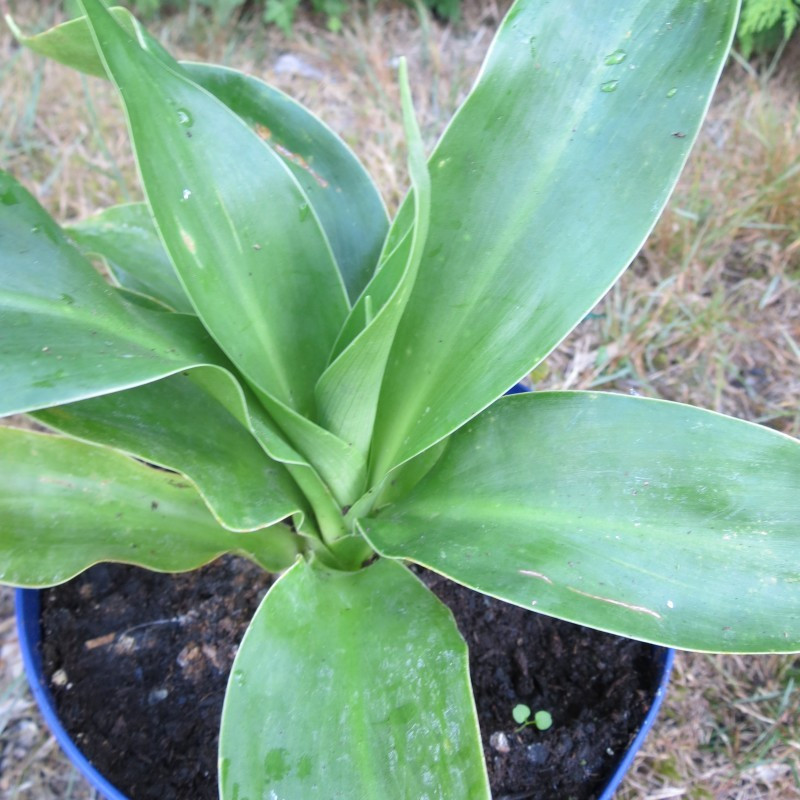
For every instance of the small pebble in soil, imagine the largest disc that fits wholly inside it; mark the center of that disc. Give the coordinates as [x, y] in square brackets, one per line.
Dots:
[499, 741]
[156, 696]
[537, 753]
[59, 678]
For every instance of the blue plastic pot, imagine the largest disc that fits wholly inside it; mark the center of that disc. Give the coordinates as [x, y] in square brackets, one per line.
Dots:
[28, 607]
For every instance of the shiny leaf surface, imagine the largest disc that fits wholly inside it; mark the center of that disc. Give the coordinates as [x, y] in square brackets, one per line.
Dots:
[342, 467]
[338, 187]
[65, 334]
[71, 43]
[175, 423]
[351, 685]
[128, 241]
[245, 241]
[240, 401]
[544, 186]
[649, 519]
[347, 393]
[65, 505]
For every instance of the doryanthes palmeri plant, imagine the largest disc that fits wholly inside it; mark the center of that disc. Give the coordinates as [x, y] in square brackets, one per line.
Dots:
[325, 387]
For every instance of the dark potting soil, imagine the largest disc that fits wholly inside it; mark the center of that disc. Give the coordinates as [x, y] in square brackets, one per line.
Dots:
[138, 664]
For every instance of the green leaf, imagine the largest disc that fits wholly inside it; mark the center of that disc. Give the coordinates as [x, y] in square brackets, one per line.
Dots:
[71, 42]
[66, 334]
[339, 463]
[347, 393]
[70, 336]
[241, 402]
[245, 242]
[391, 268]
[351, 685]
[138, 299]
[128, 241]
[544, 187]
[521, 713]
[66, 505]
[176, 424]
[650, 519]
[338, 187]
[543, 720]
[353, 216]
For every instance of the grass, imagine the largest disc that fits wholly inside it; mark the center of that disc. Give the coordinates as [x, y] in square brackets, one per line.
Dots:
[709, 314]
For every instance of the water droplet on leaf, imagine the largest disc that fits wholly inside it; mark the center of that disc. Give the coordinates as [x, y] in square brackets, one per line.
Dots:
[672, 92]
[185, 118]
[617, 57]
[609, 86]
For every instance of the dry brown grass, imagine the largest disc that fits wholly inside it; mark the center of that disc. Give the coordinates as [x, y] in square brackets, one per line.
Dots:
[728, 731]
[709, 314]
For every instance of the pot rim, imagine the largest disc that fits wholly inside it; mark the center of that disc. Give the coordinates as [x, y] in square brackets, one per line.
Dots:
[28, 607]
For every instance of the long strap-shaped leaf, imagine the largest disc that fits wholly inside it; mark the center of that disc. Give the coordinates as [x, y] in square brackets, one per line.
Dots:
[339, 463]
[342, 194]
[294, 308]
[244, 240]
[390, 270]
[650, 519]
[70, 43]
[240, 401]
[65, 334]
[338, 187]
[352, 685]
[126, 238]
[347, 393]
[65, 505]
[544, 186]
[177, 424]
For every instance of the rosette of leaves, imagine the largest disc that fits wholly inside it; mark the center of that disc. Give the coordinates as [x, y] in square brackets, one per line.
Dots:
[322, 387]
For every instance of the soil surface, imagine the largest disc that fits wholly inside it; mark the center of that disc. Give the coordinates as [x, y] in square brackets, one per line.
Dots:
[169, 641]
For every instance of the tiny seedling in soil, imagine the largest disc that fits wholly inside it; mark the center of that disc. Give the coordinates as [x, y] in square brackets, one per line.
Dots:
[522, 716]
